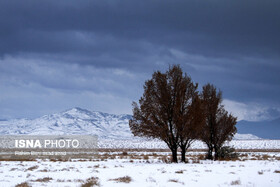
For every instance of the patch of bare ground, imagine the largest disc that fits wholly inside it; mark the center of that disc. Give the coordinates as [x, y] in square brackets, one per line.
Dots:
[59, 159]
[258, 150]
[161, 155]
[189, 150]
[125, 179]
[17, 159]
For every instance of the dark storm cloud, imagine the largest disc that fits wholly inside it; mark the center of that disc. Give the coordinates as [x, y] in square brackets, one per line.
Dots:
[106, 46]
[205, 27]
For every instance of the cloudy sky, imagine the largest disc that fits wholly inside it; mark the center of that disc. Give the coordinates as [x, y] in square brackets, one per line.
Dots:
[55, 55]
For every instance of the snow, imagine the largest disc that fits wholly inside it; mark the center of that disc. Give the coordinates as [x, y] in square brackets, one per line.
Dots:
[71, 122]
[245, 137]
[113, 132]
[157, 144]
[143, 172]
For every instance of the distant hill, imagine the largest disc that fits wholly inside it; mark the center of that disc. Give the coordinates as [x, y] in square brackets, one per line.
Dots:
[262, 129]
[79, 121]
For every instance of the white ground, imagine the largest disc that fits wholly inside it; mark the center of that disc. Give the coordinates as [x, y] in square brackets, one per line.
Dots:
[151, 172]
[155, 144]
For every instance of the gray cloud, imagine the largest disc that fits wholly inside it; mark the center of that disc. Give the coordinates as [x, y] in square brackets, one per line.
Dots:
[54, 51]
[211, 27]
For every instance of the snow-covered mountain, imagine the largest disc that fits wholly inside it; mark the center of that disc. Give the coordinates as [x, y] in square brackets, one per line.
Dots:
[73, 121]
[245, 137]
[78, 121]
[269, 129]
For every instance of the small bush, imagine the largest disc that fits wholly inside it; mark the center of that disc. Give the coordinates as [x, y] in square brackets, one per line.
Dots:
[93, 181]
[265, 157]
[44, 170]
[32, 168]
[173, 180]
[201, 157]
[179, 172]
[124, 153]
[146, 157]
[125, 179]
[45, 179]
[24, 184]
[237, 182]
[96, 166]
[176, 181]
[227, 153]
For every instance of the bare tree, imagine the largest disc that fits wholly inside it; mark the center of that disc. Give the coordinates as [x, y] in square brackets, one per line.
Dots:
[219, 126]
[164, 109]
[191, 126]
[225, 131]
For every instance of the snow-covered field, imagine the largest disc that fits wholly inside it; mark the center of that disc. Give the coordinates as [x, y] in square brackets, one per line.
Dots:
[256, 169]
[156, 144]
[150, 166]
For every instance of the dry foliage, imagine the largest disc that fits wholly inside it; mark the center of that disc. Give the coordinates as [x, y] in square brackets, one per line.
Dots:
[45, 179]
[125, 179]
[236, 182]
[17, 159]
[219, 125]
[176, 181]
[124, 153]
[173, 180]
[24, 184]
[32, 168]
[146, 157]
[180, 171]
[167, 110]
[44, 170]
[93, 181]
[96, 166]
[266, 157]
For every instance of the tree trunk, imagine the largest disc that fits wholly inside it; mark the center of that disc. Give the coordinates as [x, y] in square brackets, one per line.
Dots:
[210, 152]
[174, 156]
[216, 152]
[183, 153]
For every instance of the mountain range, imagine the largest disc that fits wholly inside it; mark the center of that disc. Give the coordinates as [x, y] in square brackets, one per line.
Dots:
[263, 129]
[81, 121]
[71, 122]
